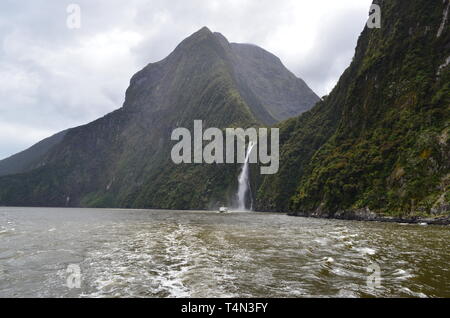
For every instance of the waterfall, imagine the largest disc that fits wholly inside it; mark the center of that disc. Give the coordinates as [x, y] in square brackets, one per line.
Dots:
[244, 184]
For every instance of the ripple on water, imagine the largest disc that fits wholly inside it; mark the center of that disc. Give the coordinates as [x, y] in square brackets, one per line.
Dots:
[170, 264]
[182, 254]
[366, 250]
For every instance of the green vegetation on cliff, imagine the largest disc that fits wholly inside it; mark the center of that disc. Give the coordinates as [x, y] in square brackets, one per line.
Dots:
[380, 140]
[123, 159]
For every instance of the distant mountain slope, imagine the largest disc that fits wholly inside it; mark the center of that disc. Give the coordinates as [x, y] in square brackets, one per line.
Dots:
[123, 159]
[271, 92]
[29, 159]
[274, 92]
[380, 140]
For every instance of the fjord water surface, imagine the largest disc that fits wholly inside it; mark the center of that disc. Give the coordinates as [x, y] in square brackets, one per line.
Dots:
[130, 253]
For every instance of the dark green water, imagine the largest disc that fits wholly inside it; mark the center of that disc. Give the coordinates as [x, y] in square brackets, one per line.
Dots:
[126, 253]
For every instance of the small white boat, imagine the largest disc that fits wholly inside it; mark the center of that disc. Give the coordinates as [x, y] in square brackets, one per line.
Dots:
[223, 210]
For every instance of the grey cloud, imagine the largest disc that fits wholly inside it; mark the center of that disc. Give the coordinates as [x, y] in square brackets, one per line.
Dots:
[333, 53]
[52, 78]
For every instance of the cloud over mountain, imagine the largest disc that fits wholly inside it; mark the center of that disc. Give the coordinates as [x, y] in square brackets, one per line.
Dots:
[52, 78]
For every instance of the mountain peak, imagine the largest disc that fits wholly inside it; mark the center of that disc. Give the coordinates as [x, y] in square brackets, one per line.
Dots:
[250, 69]
[127, 152]
[201, 34]
[205, 30]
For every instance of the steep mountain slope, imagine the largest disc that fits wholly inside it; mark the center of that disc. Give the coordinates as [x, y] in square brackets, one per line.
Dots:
[123, 159]
[380, 140]
[275, 93]
[25, 160]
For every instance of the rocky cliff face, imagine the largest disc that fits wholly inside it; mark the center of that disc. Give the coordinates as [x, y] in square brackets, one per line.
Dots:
[29, 159]
[269, 90]
[275, 93]
[123, 159]
[380, 140]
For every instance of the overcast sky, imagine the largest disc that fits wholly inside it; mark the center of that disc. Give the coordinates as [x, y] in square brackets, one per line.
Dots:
[53, 77]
